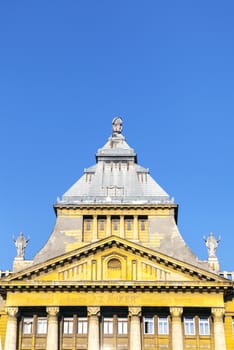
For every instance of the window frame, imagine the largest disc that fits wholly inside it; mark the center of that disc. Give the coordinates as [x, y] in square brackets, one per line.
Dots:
[122, 326]
[203, 323]
[44, 325]
[189, 324]
[163, 325]
[148, 324]
[108, 326]
[82, 325]
[68, 326]
[28, 323]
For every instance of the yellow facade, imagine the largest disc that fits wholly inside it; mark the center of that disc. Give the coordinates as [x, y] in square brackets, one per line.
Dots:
[115, 275]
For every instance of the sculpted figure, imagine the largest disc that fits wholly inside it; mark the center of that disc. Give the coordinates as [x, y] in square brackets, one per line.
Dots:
[211, 244]
[20, 243]
[117, 126]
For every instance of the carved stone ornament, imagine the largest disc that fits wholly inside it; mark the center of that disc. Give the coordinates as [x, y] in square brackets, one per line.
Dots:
[20, 244]
[176, 311]
[52, 310]
[117, 126]
[134, 311]
[218, 313]
[93, 311]
[12, 311]
[211, 244]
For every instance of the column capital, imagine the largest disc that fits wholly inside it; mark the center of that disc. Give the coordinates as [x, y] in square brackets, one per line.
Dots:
[93, 310]
[218, 312]
[176, 311]
[12, 311]
[134, 311]
[52, 310]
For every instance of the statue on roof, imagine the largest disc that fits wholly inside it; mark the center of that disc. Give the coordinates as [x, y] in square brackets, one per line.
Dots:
[117, 126]
[20, 243]
[211, 244]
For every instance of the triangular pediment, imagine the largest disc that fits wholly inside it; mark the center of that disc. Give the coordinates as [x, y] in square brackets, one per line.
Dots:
[114, 259]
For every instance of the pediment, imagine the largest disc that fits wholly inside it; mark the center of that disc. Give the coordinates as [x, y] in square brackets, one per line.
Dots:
[114, 259]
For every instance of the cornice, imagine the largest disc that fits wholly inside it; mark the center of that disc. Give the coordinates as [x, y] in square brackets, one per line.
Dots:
[117, 286]
[114, 206]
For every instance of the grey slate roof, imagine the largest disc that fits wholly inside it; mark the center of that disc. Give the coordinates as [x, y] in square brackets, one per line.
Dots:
[116, 177]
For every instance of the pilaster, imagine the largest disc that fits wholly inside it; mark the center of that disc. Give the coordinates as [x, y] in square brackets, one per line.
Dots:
[177, 334]
[93, 329]
[11, 331]
[219, 335]
[135, 327]
[52, 332]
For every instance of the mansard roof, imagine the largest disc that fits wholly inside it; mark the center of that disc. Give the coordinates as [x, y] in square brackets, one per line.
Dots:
[116, 177]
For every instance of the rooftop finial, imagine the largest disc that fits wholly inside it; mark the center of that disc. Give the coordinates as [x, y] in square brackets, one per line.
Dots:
[117, 126]
[20, 243]
[211, 244]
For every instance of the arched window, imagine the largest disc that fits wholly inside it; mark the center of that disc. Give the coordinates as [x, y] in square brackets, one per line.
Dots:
[114, 264]
[114, 271]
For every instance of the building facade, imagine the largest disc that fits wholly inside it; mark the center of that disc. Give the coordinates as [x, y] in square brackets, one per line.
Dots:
[116, 274]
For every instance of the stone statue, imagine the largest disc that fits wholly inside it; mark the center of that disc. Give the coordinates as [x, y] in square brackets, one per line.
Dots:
[117, 126]
[212, 244]
[20, 243]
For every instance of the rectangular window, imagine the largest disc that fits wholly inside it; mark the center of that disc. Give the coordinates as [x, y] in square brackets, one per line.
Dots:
[27, 325]
[142, 225]
[68, 325]
[88, 224]
[163, 325]
[232, 325]
[108, 326]
[204, 326]
[129, 224]
[189, 326]
[41, 325]
[115, 224]
[122, 326]
[82, 325]
[101, 224]
[148, 325]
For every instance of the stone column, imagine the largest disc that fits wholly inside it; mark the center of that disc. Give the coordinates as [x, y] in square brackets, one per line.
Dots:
[135, 228]
[52, 329]
[95, 223]
[121, 226]
[135, 328]
[108, 225]
[219, 335]
[93, 329]
[177, 333]
[11, 330]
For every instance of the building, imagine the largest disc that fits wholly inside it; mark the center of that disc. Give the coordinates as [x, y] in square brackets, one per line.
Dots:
[115, 273]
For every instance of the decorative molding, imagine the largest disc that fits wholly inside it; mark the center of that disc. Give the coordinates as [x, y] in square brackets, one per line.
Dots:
[12, 311]
[93, 310]
[218, 313]
[134, 311]
[176, 311]
[52, 310]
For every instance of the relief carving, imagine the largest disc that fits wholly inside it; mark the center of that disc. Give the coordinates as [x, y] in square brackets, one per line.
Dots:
[93, 311]
[12, 311]
[134, 311]
[52, 310]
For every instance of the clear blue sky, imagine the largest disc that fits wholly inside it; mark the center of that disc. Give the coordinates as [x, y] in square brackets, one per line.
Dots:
[68, 67]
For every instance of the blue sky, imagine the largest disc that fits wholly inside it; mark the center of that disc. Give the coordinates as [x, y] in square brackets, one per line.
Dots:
[67, 68]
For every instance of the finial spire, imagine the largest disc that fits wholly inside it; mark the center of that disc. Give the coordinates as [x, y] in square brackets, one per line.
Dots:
[117, 126]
